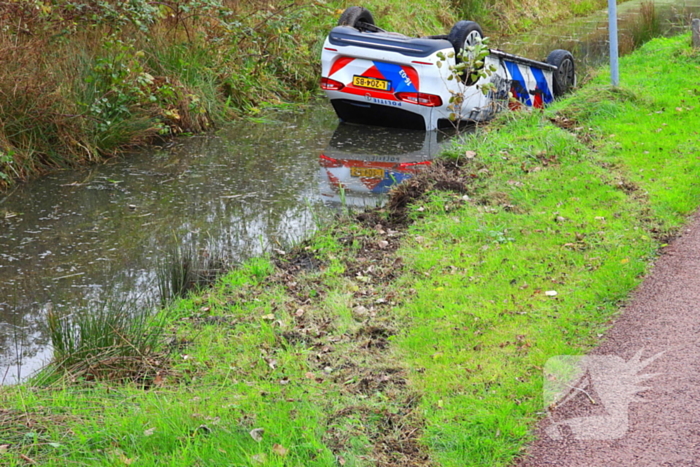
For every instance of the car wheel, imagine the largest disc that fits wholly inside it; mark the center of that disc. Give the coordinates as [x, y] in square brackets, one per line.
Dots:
[462, 35]
[564, 78]
[357, 17]
[465, 34]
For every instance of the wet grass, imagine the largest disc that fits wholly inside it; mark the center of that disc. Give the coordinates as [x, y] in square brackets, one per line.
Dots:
[416, 334]
[537, 266]
[575, 206]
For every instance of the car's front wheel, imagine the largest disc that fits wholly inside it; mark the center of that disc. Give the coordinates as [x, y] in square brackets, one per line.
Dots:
[357, 17]
[564, 78]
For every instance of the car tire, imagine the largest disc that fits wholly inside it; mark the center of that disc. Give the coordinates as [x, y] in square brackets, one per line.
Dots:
[357, 17]
[564, 77]
[464, 34]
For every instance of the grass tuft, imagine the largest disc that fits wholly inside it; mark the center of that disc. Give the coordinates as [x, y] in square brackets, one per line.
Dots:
[188, 268]
[602, 102]
[108, 341]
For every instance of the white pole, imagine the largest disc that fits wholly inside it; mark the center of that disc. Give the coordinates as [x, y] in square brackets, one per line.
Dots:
[612, 27]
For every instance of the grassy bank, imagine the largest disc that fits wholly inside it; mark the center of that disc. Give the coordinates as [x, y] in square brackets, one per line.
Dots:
[83, 80]
[517, 15]
[414, 335]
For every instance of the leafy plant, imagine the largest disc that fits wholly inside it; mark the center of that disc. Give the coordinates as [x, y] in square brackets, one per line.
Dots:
[466, 68]
[7, 169]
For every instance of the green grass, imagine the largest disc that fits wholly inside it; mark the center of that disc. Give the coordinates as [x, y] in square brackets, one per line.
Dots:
[111, 340]
[556, 215]
[484, 326]
[428, 350]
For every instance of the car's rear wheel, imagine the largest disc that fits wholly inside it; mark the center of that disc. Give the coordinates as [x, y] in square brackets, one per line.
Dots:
[465, 34]
[357, 17]
[564, 78]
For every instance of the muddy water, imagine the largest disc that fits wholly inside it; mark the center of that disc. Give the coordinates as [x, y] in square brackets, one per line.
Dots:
[75, 237]
[72, 237]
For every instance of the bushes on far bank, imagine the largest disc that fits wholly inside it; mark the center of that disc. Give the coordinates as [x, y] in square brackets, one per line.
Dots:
[82, 80]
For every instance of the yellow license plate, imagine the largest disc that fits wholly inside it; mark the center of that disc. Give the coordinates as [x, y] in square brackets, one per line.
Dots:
[372, 83]
[366, 172]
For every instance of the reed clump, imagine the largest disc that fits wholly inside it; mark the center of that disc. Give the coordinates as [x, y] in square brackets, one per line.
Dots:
[105, 341]
[649, 26]
[189, 268]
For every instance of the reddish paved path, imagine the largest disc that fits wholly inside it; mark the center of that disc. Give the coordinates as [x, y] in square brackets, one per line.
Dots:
[663, 429]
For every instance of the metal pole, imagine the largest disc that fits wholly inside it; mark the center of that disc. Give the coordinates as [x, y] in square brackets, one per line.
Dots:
[612, 26]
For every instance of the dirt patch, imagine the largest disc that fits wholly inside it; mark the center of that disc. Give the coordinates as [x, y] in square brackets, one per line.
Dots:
[376, 265]
[395, 436]
[351, 354]
[378, 380]
[302, 260]
[573, 126]
[358, 362]
[627, 186]
[442, 175]
[375, 256]
[499, 199]
[146, 371]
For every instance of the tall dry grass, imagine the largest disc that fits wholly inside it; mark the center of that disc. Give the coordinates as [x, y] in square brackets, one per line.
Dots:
[83, 80]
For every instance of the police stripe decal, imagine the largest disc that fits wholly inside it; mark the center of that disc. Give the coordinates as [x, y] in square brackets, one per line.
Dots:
[519, 86]
[542, 85]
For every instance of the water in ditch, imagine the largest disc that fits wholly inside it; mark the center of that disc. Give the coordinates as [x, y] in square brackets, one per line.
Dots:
[76, 237]
[587, 37]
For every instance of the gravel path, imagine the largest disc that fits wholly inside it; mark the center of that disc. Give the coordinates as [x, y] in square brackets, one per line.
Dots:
[659, 426]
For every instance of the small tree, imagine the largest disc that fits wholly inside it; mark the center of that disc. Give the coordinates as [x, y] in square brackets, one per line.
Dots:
[466, 68]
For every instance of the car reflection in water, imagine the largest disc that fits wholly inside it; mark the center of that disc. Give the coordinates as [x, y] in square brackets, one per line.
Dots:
[362, 163]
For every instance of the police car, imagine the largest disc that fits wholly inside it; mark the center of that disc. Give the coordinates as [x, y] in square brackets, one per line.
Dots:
[376, 77]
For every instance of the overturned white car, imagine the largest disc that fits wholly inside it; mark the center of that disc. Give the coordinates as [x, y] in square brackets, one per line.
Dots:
[376, 77]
